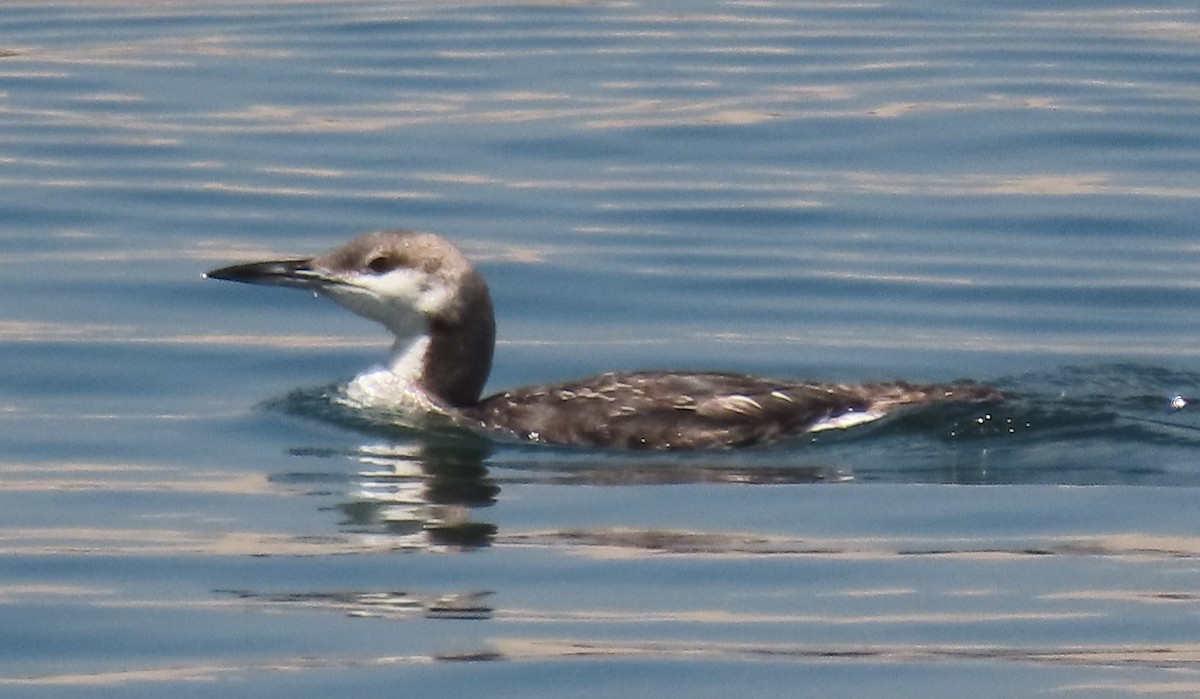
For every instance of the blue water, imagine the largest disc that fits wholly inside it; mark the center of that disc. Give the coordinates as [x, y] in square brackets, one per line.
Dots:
[1000, 192]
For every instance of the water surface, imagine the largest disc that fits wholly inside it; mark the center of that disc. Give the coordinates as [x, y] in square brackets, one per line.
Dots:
[839, 191]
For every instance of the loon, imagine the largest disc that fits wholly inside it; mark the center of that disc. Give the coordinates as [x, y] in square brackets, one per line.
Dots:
[425, 291]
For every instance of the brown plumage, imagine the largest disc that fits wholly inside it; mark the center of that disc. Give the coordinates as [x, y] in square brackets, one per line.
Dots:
[689, 411]
[438, 307]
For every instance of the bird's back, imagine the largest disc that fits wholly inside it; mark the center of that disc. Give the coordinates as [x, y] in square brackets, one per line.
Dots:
[688, 411]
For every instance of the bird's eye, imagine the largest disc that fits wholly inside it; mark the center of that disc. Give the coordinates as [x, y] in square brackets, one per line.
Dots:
[383, 264]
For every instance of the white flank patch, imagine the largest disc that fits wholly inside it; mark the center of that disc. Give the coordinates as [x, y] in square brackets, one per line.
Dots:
[846, 420]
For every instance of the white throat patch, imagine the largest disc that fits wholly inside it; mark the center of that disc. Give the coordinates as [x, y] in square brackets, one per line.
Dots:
[407, 362]
[402, 300]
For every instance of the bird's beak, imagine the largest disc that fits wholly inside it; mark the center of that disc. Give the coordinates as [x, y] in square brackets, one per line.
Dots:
[294, 273]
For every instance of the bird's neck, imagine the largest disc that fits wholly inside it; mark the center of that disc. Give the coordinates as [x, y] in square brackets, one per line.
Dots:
[451, 357]
[407, 362]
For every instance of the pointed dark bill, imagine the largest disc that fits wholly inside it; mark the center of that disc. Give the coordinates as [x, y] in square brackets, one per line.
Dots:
[293, 273]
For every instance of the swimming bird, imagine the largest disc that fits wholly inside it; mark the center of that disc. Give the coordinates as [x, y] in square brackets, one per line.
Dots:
[438, 307]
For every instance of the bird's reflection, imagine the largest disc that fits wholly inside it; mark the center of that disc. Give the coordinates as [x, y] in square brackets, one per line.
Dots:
[424, 493]
[431, 492]
[390, 604]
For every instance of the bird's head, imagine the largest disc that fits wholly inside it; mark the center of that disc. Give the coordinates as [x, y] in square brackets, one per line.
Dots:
[404, 280]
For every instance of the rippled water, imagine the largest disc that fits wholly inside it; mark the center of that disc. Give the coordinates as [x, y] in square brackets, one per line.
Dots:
[842, 191]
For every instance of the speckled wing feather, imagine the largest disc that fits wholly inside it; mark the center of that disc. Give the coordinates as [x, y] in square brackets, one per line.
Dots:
[686, 411]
